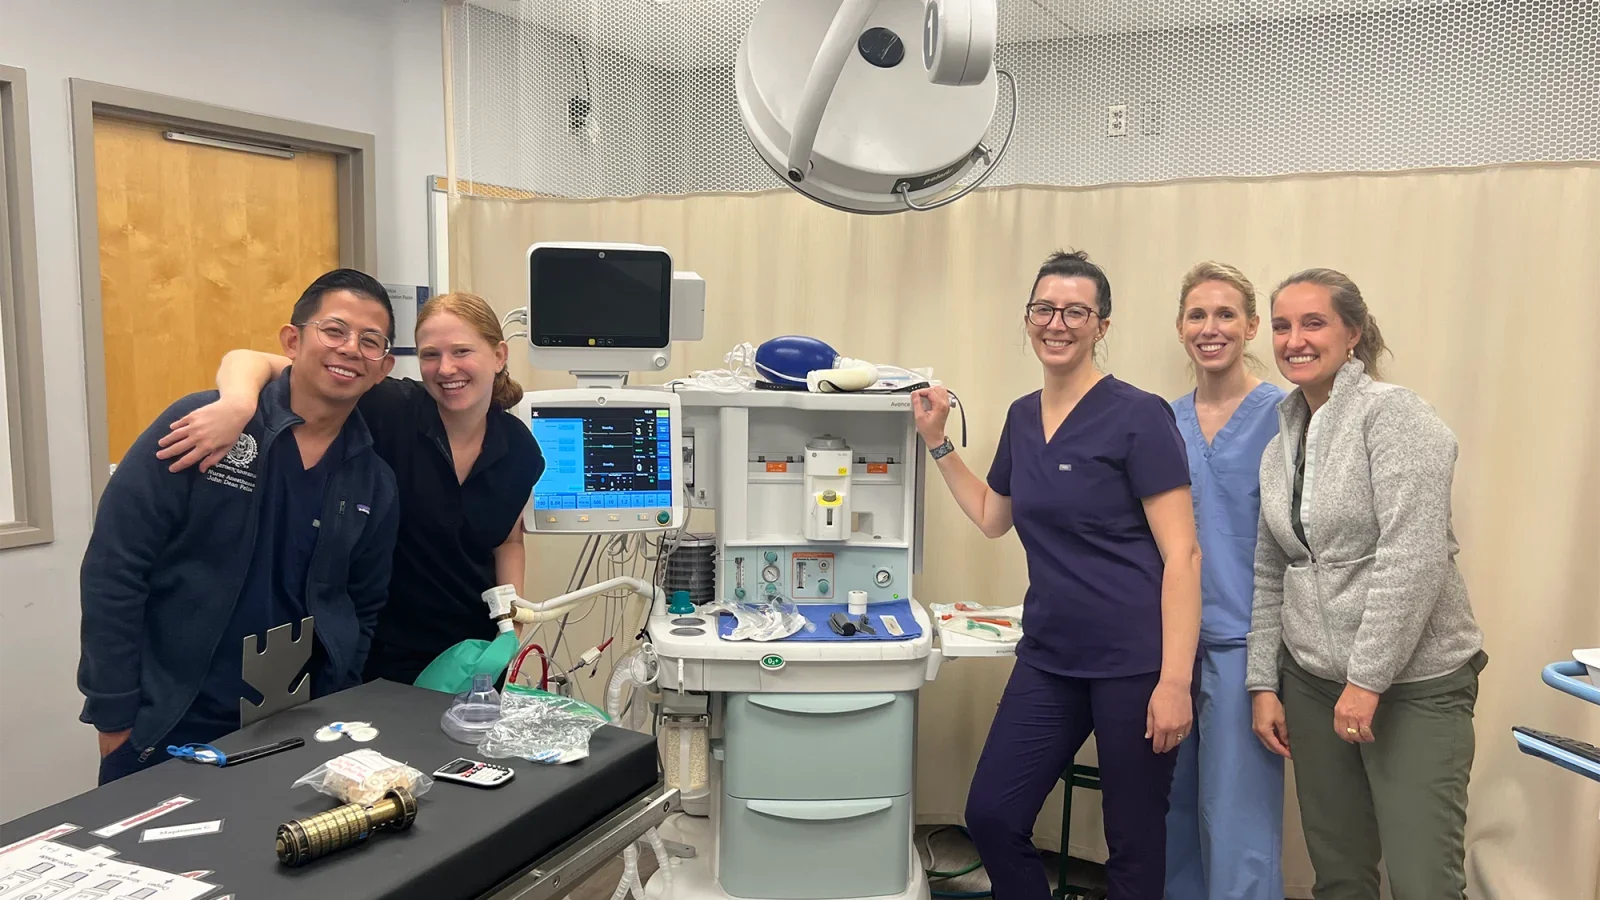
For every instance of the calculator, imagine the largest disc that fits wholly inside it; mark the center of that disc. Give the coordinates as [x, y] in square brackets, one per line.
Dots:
[477, 774]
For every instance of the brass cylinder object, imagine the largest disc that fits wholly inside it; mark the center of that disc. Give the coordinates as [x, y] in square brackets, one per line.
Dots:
[313, 837]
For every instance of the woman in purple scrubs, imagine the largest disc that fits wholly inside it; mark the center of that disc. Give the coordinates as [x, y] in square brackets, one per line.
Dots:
[1093, 473]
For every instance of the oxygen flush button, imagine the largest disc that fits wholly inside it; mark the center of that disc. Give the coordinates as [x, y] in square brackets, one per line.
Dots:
[663, 517]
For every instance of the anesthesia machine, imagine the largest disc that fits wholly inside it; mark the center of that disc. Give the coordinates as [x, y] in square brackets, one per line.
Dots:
[785, 648]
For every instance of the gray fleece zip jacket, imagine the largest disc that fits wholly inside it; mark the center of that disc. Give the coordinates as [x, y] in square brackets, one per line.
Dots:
[1376, 599]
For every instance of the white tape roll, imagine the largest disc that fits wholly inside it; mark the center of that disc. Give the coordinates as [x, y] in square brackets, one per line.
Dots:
[858, 603]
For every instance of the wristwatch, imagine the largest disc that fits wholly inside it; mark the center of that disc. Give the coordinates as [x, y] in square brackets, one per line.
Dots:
[943, 450]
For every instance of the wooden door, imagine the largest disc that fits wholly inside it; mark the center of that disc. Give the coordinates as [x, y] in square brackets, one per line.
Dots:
[202, 250]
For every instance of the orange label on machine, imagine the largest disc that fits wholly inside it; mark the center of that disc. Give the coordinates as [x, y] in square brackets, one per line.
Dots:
[877, 468]
[777, 467]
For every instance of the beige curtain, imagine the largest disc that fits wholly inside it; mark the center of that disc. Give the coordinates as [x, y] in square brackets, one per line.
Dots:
[1487, 286]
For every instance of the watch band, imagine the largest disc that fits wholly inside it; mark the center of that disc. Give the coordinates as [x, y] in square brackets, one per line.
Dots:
[943, 450]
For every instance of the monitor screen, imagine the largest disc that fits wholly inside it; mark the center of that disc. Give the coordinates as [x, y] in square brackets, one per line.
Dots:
[599, 298]
[600, 458]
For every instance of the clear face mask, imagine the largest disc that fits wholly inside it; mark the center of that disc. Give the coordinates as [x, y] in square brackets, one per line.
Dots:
[768, 618]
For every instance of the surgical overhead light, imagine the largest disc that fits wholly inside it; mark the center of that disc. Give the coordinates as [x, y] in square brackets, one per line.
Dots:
[873, 106]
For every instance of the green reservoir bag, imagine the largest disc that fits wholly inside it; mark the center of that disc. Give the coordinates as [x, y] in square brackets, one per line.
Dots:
[451, 671]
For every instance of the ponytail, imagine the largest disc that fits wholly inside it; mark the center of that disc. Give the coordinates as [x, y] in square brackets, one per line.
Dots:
[1370, 345]
[507, 393]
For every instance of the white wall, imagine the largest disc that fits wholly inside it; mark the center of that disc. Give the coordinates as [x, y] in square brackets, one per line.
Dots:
[364, 65]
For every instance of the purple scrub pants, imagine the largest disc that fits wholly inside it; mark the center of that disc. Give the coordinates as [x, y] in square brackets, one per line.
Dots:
[1042, 721]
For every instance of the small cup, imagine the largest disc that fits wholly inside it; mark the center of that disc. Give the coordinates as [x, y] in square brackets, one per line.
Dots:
[858, 603]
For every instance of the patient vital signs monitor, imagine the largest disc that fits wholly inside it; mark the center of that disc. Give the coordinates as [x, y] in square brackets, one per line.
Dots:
[609, 460]
[601, 310]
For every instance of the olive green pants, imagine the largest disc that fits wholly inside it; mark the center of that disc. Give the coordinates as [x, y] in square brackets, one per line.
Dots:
[1401, 799]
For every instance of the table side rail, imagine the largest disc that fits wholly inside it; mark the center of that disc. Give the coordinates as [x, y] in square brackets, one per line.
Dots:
[560, 870]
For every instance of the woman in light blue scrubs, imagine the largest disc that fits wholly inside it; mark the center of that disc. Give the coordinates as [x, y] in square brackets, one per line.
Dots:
[1225, 824]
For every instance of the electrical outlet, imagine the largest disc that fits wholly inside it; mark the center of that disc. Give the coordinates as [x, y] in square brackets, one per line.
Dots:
[1117, 120]
[1151, 117]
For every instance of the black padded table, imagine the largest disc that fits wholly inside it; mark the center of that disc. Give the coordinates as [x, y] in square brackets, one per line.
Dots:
[465, 842]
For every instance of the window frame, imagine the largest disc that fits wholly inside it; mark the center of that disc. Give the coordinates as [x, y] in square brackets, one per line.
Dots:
[32, 522]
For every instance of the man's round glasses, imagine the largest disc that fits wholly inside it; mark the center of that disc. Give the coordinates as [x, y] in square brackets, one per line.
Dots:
[1042, 314]
[334, 333]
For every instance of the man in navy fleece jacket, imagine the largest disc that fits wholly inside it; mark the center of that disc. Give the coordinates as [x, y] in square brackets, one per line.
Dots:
[299, 519]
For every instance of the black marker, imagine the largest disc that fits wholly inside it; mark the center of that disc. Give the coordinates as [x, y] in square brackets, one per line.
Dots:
[244, 756]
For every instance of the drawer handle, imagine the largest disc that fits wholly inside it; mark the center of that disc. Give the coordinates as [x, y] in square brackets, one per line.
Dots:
[821, 704]
[817, 811]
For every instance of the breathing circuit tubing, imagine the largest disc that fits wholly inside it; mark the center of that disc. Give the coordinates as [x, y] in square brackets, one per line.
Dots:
[641, 669]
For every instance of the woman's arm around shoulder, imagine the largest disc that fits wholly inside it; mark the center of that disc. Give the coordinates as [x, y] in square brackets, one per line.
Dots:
[206, 435]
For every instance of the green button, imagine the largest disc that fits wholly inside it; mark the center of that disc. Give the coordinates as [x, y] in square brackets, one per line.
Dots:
[772, 556]
[822, 587]
[739, 592]
[663, 517]
[772, 662]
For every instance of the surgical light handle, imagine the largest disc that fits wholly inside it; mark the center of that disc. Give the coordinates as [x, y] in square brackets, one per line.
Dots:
[840, 40]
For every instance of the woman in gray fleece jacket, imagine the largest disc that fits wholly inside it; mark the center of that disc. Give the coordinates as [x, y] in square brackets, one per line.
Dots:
[1356, 579]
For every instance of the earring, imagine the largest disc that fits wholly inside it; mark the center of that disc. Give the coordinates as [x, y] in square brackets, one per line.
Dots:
[1350, 354]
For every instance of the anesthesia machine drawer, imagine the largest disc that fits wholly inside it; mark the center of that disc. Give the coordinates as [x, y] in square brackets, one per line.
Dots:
[815, 849]
[818, 746]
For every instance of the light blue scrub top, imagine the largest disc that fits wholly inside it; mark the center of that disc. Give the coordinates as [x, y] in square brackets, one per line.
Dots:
[1226, 484]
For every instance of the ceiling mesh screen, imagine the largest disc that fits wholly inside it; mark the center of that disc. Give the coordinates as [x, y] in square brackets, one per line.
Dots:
[598, 98]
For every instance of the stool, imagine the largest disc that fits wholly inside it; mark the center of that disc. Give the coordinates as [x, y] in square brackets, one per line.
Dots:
[1075, 776]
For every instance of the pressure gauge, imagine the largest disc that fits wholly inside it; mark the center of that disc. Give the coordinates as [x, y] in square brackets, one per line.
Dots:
[882, 578]
[769, 574]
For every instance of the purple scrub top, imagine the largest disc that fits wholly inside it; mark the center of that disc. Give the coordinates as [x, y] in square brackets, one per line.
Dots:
[1093, 606]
